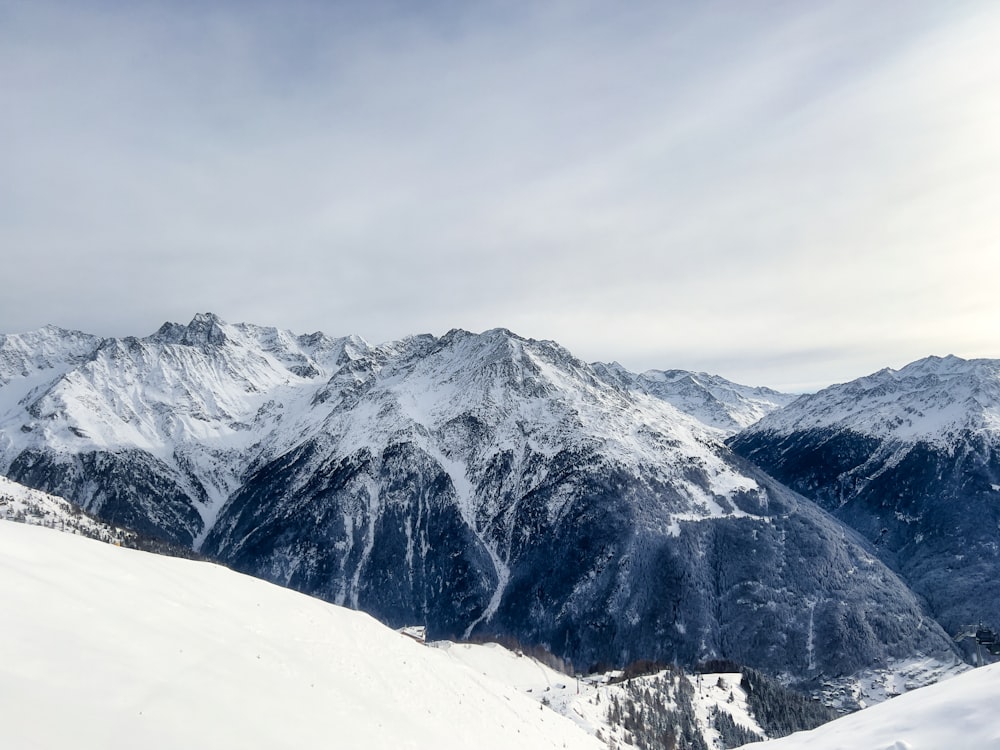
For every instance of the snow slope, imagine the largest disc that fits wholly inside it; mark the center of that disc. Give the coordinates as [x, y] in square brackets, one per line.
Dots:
[586, 700]
[958, 713]
[102, 647]
[48, 350]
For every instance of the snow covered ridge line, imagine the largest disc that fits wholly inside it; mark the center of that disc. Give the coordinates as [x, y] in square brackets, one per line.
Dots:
[714, 400]
[933, 400]
[47, 348]
[22, 504]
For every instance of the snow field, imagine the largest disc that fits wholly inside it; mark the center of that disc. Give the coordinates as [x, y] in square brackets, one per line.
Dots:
[102, 647]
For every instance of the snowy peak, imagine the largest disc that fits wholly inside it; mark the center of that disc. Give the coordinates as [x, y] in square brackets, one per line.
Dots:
[712, 400]
[206, 380]
[496, 365]
[46, 349]
[932, 400]
[204, 329]
[524, 395]
[308, 356]
[947, 366]
[183, 412]
[911, 459]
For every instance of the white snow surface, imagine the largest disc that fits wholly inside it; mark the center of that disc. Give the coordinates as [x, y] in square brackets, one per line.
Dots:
[171, 652]
[931, 400]
[49, 348]
[102, 646]
[955, 714]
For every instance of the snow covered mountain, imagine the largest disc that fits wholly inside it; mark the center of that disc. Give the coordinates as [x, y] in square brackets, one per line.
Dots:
[911, 459]
[710, 399]
[101, 645]
[45, 353]
[179, 413]
[937, 400]
[472, 483]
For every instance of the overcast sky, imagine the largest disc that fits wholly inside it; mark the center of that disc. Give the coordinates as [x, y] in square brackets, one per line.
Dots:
[784, 193]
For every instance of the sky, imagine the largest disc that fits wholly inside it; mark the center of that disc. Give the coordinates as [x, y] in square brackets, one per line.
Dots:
[786, 194]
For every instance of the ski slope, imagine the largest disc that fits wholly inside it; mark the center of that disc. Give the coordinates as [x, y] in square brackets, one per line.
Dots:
[102, 647]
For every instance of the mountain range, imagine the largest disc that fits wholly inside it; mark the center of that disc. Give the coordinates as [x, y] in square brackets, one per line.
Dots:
[477, 484]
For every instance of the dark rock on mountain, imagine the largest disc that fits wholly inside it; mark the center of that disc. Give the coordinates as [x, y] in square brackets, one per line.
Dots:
[911, 459]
